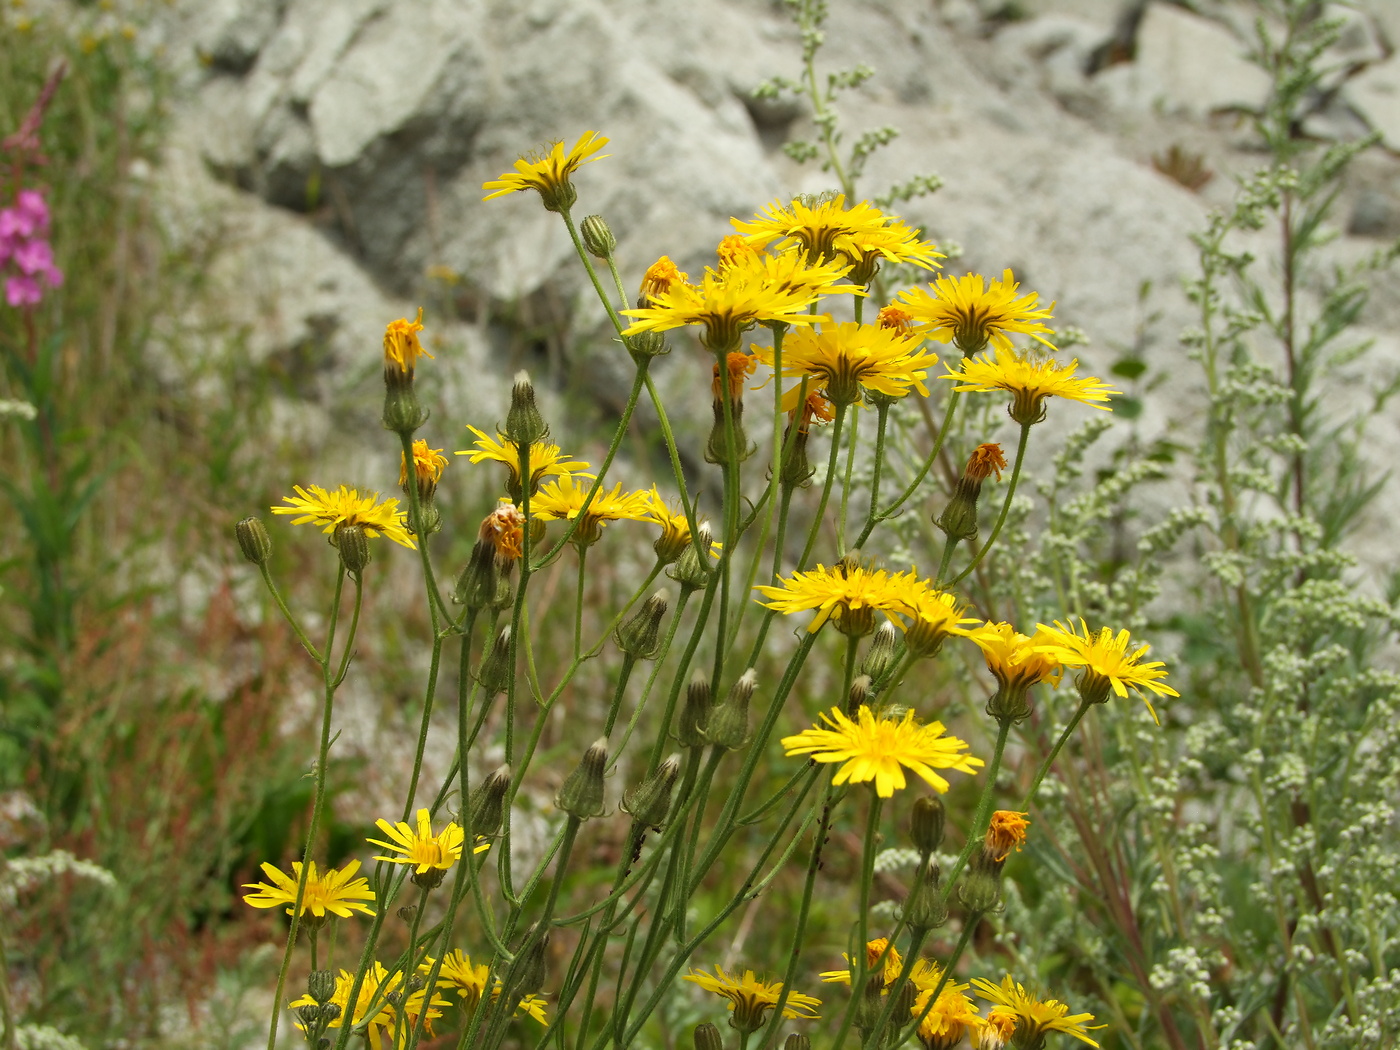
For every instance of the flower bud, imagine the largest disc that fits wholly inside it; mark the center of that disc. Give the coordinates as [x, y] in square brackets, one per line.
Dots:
[728, 724]
[980, 888]
[859, 695]
[871, 1001]
[691, 570]
[926, 824]
[797, 469]
[797, 1041]
[330, 1011]
[707, 1037]
[353, 545]
[879, 658]
[526, 973]
[597, 236]
[695, 712]
[310, 1016]
[640, 635]
[524, 424]
[1093, 687]
[407, 912]
[581, 794]
[650, 801]
[402, 412]
[494, 672]
[717, 448]
[924, 908]
[253, 540]
[320, 985]
[428, 880]
[647, 344]
[487, 802]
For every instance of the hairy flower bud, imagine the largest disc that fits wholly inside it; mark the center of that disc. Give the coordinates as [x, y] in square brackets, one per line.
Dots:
[695, 712]
[640, 635]
[320, 985]
[980, 887]
[253, 540]
[495, 670]
[707, 1037]
[353, 545]
[524, 424]
[691, 570]
[597, 236]
[797, 1041]
[581, 794]
[487, 802]
[879, 658]
[728, 724]
[527, 970]
[926, 824]
[924, 908]
[859, 695]
[650, 801]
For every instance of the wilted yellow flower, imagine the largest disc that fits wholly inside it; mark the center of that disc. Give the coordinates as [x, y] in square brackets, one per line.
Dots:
[1035, 1017]
[971, 311]
[750, 999]
[1106, 661]
[401, 346]
[660, 276]
[873, 950]
[1007, 831]
[428, 465]
[1029, 382]
[345, 506]
[549, 172]
[335, 892]
[877, 749]
[504, 530]
[952, 1017]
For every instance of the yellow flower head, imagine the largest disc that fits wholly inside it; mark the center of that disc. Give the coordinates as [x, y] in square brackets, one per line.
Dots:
[386, 1016]
[877, 749]
[549, 172]
[933, 616]
[428, 465]
[849, 595]
[756, 289]
[1000, 1026]
[504, 530]
[896, 319]
[468, 980]
[1017, 661]
[952, 1017]
[660, 276]
[734, 248]
[675, 529]
[1006, 832]
[419, 846]
[846, 359]
[1029, 382]
[750, 999]
[333, 892]
[345, 506]
[1035, 1017]
[401, 346]
[1106, 661]
[873, 950]
[563, 498]
[546, 461]
[828, 230]
[972, 311]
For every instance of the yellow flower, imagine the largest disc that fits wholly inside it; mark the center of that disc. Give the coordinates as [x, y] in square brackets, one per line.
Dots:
[749, 998]
[828, 230]
[386, 1016]
[468, 980]
[1006, 832]
[401, 346]
[873, 950]
[419, 846]
[758, 289]
[1001, 1024]
[953, 1016]
[335, 892]
[933, 616]
[1106, 662]
[985, 461]
[739, 367]
[675, 529]
[1016, 660]
[970, 311]
[877, 749]
[345, 506]
[895, 319]
[660, 276]
[563, 499]
[546, 461]
[1035, 1017]
[428, 465]
[847, 358]
[549, 173]
[504, 530]
[849, 594]
[1030, 382]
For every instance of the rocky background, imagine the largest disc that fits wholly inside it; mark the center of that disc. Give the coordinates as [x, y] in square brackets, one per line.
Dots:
[337, 151]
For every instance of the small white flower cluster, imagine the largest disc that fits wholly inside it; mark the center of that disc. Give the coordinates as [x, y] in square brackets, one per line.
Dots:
[42, 1037]
[1184, 970]
[23, 874]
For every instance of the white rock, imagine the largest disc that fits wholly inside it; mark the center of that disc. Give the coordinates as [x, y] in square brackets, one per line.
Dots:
[1199, 64]
[1375, 94]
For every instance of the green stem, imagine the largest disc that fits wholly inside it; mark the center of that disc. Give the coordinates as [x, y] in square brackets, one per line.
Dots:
[859, 963]
[984, 808]
[846, 485]
[969, 926]
[816, 529]
[913, 486]
[1050, 758]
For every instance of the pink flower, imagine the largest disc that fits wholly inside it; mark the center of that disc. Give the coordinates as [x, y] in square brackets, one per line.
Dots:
[23, 243]
[22, 291]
